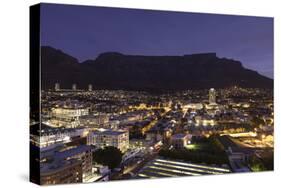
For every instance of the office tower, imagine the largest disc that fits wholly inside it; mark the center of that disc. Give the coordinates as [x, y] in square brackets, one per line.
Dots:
[74, 87]
[212, 96]
[57, 87]
[90, 87]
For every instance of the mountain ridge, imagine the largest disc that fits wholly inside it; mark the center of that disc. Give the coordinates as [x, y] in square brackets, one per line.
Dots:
[114, 70]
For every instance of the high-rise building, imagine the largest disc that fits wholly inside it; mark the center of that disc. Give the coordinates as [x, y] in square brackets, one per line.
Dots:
[90, 87]
[212, 96]
[74, 87]
[57, 87]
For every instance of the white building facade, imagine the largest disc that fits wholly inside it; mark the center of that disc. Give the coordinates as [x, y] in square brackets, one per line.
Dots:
[106, 137]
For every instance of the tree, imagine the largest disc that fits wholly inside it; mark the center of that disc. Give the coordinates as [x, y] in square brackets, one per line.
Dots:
[109, 156]
[256, 164]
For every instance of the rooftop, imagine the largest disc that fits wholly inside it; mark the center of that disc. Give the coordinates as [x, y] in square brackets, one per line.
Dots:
[171, 168]
[109, 132]
[73, 151]
[45, 129]
[179, 136]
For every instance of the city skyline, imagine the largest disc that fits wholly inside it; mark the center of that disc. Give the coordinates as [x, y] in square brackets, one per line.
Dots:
[127, 94]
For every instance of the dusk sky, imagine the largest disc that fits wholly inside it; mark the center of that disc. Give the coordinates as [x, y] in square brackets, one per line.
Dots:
[85, 31]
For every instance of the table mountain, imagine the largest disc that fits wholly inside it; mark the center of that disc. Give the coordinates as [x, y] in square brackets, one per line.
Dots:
[113, 70]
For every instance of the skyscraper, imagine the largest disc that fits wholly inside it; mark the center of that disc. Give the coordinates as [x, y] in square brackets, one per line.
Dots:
[57, 87]
[212, 96]
[74, 87]
[90, 87]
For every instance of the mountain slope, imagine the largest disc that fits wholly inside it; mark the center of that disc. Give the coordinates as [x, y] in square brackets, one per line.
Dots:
[113, 70]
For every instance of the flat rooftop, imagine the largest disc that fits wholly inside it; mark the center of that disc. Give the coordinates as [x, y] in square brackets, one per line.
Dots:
[172, 168]
[178, 136]
[108, 132]
[44, 129]
[73, 151]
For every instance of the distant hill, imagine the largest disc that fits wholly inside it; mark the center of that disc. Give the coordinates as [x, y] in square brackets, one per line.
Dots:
[114, 70]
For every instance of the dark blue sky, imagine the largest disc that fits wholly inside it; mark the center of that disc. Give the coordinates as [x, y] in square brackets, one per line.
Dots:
[85, 31]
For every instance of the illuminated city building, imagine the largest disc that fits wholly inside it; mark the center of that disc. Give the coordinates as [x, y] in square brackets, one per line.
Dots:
[107, 137]
[139, 144]
[74, 87]
[90, 87]
[57, 87]
[212, 96]
[48, 137]
[204, 120]
[160, 132]
[194, 106]
[68, 115]
[82, 153]
[61, 172]
[69, 112]
[95, 120]
[179, 141]
[131, 117]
